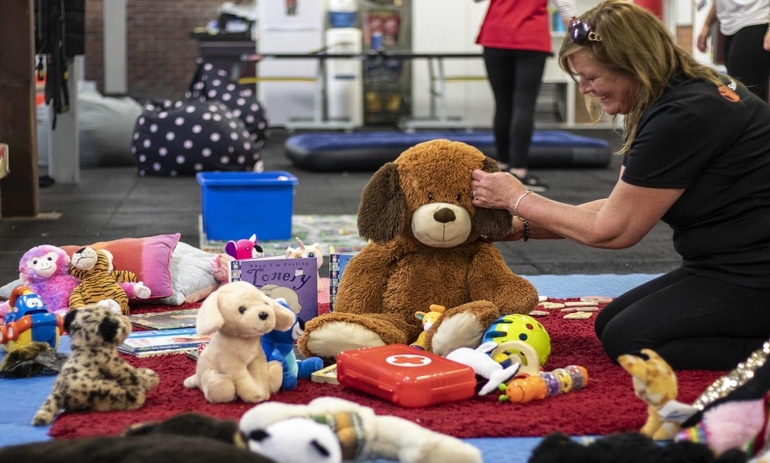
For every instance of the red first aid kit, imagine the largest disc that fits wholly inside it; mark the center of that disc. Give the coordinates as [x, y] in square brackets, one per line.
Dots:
[405, 375]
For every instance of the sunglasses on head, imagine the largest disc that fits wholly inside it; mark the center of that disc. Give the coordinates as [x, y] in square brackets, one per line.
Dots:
[581, 33]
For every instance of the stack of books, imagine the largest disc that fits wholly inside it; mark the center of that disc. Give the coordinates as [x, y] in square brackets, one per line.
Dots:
[163, 342]
[171, 332]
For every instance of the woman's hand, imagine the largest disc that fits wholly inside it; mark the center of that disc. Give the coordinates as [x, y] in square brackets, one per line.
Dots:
[767, 39]
[496, 190]
[703, 38]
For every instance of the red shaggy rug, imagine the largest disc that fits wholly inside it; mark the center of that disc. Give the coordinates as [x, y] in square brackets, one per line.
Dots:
[605, 406]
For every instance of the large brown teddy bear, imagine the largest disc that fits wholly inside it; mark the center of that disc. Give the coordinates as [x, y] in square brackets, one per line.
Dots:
[428, 245]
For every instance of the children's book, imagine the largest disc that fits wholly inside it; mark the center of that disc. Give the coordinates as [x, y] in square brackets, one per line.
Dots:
[295, 280]
[173, 319]
[156, 342]
[337, 263]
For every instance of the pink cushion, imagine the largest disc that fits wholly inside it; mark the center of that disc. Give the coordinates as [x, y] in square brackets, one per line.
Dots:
[149, 258]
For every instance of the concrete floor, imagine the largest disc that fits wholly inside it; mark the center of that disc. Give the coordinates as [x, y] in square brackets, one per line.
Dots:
[111, 203]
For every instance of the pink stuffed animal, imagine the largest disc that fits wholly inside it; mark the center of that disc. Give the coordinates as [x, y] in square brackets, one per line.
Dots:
[44, 270]
[244, 249]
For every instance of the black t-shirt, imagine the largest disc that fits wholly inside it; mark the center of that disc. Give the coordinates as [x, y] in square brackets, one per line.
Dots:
[718, 150]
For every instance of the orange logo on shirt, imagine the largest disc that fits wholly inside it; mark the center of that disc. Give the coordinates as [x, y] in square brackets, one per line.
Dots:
[729, 94]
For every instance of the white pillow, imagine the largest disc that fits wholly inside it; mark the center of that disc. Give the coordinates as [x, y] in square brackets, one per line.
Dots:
[5, 291]
[191, 275]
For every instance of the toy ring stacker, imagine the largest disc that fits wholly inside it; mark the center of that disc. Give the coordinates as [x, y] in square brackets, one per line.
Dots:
[530, 364]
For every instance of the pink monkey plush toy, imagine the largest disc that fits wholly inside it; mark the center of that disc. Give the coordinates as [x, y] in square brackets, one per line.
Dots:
[44, 270]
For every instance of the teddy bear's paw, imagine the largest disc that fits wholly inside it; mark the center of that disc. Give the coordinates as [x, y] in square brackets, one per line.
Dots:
[461, 330]
[332, 338]
[142, 291]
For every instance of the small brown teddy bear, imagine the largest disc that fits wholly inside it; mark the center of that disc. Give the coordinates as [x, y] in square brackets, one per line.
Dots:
[94, 377]
[428, 245]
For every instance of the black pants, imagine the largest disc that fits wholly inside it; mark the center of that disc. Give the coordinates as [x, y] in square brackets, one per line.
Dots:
[692, 321]
[515, 77]
[747, 60]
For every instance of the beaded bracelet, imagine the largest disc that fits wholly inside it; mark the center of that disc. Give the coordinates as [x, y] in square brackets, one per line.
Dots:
[516, 207]
[516, 214]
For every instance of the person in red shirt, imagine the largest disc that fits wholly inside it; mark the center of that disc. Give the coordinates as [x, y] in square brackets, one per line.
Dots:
[516, 38]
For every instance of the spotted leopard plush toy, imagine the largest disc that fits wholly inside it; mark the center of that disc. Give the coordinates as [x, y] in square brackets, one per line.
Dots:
[94, 377]
[98, 281]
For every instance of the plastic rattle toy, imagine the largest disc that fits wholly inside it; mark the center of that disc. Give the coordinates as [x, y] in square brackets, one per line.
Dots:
[518, 327]
[524, 389]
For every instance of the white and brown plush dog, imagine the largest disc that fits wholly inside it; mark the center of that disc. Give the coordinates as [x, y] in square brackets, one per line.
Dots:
[234, 365]
[94, 377]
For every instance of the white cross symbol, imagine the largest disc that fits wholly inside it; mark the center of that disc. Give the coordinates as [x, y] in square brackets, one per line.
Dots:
[408, 360]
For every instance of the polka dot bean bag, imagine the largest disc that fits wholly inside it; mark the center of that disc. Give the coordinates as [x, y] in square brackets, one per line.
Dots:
[215, 84]
[191, 136]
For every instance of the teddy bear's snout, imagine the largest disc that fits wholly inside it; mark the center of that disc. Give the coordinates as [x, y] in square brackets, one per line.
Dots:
[444, 215]
[263, 316]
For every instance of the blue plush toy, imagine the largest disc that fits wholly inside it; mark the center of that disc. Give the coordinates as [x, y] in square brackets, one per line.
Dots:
[279, 345]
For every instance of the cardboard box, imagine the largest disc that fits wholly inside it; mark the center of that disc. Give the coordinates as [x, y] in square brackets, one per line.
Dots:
[236, 205]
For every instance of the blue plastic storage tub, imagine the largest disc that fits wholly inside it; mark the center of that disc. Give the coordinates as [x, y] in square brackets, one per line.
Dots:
[236, 205]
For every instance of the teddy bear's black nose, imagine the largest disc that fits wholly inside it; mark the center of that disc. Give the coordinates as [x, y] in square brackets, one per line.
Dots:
[263, 315]
[444, 215]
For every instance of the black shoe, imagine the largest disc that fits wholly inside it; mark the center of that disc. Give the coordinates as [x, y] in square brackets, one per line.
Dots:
[532, 183]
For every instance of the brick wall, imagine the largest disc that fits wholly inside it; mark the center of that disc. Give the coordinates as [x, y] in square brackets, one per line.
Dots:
[684, 37]
[160, 53]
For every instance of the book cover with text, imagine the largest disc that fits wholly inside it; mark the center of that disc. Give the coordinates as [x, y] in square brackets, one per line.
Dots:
[295, 280]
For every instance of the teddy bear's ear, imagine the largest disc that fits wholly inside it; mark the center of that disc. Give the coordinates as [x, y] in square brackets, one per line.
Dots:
[382, 209]
[209, 317]
[493, 224]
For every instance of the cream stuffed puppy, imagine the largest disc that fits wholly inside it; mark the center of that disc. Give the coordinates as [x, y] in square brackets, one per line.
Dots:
[233, 365]
[361, 434]
[428, 245]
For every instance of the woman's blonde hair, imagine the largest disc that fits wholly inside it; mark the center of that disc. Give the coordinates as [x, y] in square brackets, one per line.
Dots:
[636, 43]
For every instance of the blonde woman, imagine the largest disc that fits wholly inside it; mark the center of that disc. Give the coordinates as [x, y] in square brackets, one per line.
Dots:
[696, 155]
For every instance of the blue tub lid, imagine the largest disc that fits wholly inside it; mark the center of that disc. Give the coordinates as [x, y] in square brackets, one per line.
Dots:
[245, 178]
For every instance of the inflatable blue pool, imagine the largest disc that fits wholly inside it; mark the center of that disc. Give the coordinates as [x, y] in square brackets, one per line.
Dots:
[361, 151]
